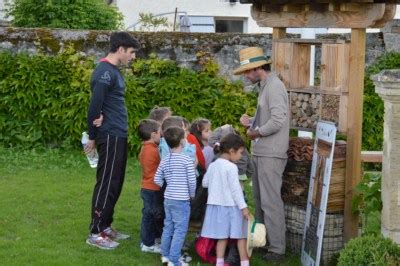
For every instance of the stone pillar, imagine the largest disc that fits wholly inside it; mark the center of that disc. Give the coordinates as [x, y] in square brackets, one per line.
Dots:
[387, 85]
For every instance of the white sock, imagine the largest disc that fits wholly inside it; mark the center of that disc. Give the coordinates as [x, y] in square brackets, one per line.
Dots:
[244, 263]
[220, 262]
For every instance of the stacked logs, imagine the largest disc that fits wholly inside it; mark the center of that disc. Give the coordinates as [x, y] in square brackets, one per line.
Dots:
[296, 176]
[305, 109]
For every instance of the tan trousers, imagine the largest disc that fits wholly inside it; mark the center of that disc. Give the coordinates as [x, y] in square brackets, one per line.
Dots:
[267, 183]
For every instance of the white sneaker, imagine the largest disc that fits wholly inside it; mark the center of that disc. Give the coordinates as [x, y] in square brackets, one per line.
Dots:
[164, 260]
[185, 258]
[181, 263]
[153, 249]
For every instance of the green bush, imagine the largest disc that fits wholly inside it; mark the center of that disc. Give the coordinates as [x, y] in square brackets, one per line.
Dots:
[370, 250]
[83, 14]
[46, 97]
[368, 203]
[372, 137]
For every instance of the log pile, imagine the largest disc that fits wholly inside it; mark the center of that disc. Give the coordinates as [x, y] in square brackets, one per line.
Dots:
[305, 109]
[297, 173]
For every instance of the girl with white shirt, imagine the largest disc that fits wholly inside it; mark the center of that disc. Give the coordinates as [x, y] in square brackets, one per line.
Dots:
[227, 213]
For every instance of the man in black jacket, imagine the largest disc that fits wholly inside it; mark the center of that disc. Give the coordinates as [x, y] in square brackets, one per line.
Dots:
[110, 139]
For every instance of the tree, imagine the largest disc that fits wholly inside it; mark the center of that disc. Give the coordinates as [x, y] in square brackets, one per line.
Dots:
[68, 14]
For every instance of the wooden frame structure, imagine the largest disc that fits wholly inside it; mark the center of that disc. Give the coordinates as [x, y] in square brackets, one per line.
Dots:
[357, 15]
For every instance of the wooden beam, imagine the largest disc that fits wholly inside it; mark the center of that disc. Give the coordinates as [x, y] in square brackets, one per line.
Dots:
[278, 33]
[372, 156]
[319, 16]
[354, 131]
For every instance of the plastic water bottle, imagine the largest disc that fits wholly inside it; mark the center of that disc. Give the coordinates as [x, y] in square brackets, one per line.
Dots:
[92, 157]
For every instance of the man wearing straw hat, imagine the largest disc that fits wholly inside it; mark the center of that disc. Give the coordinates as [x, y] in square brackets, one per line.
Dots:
[269, 132]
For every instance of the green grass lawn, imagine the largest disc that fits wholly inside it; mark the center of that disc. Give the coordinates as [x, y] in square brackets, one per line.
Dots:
[45, 212]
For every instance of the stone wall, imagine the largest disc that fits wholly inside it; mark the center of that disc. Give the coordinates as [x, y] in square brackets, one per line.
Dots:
[180, 47]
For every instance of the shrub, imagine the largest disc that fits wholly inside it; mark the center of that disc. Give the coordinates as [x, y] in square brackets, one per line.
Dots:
[46, 97]
[370, 250]
[372, 137]
[368, 203]
[87, 14]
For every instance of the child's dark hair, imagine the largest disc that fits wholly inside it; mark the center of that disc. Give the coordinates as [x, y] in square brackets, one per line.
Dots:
[229, 141]
[173, 136]
[146, 127]
[159, 113]
[197, 127]
[122, 39]
[172, 121]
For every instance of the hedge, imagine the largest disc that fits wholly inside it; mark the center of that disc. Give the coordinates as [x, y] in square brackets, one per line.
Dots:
[45, 98]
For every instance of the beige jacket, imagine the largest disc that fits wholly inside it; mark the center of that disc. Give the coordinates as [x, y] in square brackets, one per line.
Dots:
[272, 119]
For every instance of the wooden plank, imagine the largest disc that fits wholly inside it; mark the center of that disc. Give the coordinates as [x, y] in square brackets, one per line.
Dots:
[372, 156]
[282, 58]
[359, 16]
[334, 66]
[278, 33]
[300, 66]
[390, 12]
[343, 109]
[354, 131]
[310, 41]
[314, 89]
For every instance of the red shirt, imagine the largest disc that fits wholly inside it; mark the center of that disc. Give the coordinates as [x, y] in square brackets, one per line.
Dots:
[149, 158]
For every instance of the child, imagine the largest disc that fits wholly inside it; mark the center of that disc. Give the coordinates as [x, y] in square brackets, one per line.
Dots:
[188, 149]
[177, 171]
[192, 139]
[226, 208]
[201, 129]
[245, 164]
[160, 114]
[149, 133]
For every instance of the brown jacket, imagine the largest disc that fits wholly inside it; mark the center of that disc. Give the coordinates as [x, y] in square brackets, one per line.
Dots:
[272, 119]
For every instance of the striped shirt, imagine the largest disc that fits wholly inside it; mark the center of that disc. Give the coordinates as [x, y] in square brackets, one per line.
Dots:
[177, 170]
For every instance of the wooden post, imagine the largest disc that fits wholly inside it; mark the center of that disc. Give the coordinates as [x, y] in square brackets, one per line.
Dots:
[354, 131]
[278, 33]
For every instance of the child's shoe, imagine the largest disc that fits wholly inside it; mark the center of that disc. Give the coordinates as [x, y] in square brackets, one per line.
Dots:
[185, 258]
[153, 249]
[115, 235]
[164, 260]
[101, 241]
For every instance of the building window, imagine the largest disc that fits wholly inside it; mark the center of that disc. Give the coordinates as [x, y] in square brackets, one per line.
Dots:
[225, 25]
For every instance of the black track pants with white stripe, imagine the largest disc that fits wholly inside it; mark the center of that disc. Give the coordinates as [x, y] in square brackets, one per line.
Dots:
[110, 178]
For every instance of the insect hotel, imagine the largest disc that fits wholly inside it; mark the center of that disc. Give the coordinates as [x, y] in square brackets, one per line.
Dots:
[335, 95]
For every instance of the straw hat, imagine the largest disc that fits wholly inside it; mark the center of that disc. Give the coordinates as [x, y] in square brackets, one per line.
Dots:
[256, 235]
[251, 57]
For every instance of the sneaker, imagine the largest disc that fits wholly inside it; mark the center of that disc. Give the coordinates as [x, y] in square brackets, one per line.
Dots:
[181, 263]
[153, 249]
[115, 235]
[101, 241]
[164, 260]
[185, 258]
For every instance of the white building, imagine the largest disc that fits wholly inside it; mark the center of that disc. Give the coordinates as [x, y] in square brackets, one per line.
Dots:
[205, 15]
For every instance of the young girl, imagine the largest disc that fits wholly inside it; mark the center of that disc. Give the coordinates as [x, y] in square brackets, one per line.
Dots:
[227, 211]
[201, 129]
